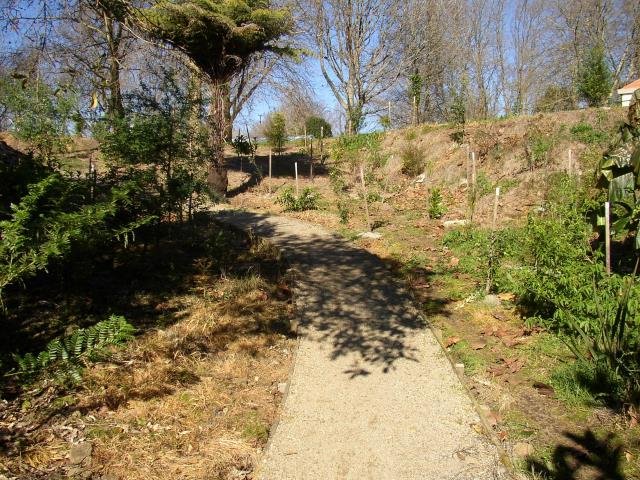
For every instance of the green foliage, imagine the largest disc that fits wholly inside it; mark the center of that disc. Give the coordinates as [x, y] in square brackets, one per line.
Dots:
[594, 78]
[219, 36]
[585, 133]
[50, 219]
[308, 200]
[317, 126]
[538, 147]
[385, 122]
[344, 211]
[619, 174]
[412, 158]
[556, 98]
[40, 114]
[243, 146]
[436, 206]
[354, 150]
[64, 357]
[161, 148]
[276, 131]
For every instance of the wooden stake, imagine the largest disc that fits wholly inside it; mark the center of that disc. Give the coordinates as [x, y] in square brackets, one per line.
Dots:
[321, 143]
[607, 233]
[389, 115]
[297, 186]
[495, 209]
[415, 110]
[305, 138]
[270, 177]
[492, 246]
[364, 193]
[570, 162]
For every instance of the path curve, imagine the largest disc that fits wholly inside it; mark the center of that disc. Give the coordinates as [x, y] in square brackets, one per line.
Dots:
[371, 395]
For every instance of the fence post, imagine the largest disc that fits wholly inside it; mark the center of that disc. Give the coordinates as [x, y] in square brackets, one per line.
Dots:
[492, 246]
[297, 187]
[270, 178]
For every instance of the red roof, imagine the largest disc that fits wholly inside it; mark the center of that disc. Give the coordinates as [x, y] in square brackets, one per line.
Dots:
[632, 87]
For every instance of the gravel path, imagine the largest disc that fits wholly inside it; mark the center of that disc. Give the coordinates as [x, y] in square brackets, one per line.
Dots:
[372, 395]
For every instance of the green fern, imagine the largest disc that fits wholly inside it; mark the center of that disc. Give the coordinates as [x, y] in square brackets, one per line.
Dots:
[65, 356]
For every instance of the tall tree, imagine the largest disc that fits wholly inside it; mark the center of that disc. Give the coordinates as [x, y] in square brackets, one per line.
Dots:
[353, 41]
[594, 83]
[220, 37]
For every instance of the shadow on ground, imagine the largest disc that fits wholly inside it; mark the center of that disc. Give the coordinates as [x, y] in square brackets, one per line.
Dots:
[282, 166]
[583, 457]
[346, 296]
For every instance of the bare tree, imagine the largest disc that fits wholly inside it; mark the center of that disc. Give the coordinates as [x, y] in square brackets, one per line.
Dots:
[354, 42]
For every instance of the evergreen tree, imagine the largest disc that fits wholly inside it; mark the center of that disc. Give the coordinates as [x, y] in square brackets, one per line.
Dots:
[594, 82]
[276, 131]
[219, 37]
[317, 126]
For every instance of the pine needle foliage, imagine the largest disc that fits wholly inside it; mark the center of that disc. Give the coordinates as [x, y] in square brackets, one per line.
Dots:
[219, 36]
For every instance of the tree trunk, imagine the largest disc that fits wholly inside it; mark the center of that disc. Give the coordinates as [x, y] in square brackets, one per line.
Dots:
[217, 171]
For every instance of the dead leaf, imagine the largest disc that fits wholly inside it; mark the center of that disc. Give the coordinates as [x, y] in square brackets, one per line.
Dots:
[478, 344]
[451, 341]
[628, 456]
[454, 262]
[503, 435]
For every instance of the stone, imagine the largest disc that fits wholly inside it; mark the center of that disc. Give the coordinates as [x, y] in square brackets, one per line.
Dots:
[80, 452]
[370, 235]
[420, 178]
[282, 388]
[522, 450]
[454, 223]
[492, 300]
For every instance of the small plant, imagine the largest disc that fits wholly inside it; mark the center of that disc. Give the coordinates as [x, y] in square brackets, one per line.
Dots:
[585, 133]
[437, 208]
[308, 200]
[65, 356]
[412, 160]
[538, 149]
[344, 212]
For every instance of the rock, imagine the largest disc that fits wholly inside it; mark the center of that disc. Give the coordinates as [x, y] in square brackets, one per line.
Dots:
[420, 178]
[454, 223]
[80, 452]
[370, 235]
[522, 450]
[492, 300]
[454, 262]
[282, 388]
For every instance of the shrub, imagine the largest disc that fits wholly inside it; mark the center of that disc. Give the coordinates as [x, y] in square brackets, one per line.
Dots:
[308, 200]
[317, 126]
[412, 160]
[538, 148]
[585, 133]
[437, 208]
[276, 131]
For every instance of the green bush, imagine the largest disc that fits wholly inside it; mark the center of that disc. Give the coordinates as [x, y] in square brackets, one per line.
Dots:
[309, 199]
[437, 208]
[585, 133]
[538, 148]
[412, 158]
[317, 126]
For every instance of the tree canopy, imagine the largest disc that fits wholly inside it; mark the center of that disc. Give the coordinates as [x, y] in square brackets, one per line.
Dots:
[219, 36]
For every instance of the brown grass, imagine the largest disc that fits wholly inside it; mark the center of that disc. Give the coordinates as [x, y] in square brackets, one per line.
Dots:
[192, 400]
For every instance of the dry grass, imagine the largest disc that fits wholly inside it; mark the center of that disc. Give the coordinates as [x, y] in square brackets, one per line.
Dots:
[192, 400]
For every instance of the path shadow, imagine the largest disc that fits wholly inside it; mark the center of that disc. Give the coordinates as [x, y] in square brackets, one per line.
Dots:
[347, 297]
[583, 457]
